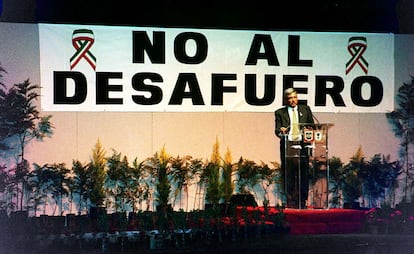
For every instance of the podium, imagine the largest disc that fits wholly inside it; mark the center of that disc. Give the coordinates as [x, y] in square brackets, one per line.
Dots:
[306, 167]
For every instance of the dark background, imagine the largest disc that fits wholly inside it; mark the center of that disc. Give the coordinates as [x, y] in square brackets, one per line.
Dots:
[385, 16]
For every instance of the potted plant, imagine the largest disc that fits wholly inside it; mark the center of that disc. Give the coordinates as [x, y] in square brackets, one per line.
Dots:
[351, 182]
[402, 120]
[211, 175]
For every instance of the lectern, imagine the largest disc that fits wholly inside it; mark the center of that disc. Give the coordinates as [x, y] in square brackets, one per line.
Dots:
[306, 167]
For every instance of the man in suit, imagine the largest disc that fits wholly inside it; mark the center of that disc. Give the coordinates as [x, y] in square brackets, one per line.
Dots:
[289, 123]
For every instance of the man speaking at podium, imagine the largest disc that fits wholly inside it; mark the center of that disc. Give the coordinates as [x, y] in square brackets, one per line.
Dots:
[289, 122]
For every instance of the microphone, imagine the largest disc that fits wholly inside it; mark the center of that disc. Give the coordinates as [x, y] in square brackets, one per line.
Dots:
[315, 119]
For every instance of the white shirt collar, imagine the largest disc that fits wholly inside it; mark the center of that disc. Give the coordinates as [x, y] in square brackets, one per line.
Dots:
[291, 109]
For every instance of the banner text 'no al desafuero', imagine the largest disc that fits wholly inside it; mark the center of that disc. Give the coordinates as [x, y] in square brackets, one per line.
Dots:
[109, 68]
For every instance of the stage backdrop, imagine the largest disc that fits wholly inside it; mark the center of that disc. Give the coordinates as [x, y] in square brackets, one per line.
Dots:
[137, 89]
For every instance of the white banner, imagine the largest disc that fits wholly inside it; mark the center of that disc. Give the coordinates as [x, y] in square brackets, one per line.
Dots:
[110, 68]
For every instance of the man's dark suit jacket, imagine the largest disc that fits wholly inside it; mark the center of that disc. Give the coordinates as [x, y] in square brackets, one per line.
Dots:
[282, 117]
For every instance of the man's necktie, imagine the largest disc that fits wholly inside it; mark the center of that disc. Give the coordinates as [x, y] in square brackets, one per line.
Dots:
[295, 126]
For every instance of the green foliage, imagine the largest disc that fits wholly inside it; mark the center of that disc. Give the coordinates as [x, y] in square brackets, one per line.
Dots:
[403, 116]
[97, 175]
[38, 185]
[49, 180]
[378, 175]
[159, 170]
[4, 179]
[335, 170]
[361, 177]
[268, 176]
[20, 123]
[248, 173]
[138, 188]
[61, 182]
[213, 194]
[2, 70]
[351, 182]
[183, 170]
[162, 173]
[251, 174]
[211, 175]
[117, 181]
[19, 117]
[227, 185]
[79, 183]
[402, 119]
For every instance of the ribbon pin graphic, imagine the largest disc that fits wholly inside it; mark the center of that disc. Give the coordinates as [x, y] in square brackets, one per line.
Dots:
[357, 47]
[82, 41]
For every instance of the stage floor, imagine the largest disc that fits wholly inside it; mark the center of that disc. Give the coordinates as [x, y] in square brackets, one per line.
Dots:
[325, 221]
[317, 221]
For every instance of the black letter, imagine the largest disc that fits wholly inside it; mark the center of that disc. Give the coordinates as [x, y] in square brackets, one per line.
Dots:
[139, 85]
[179, 92]
[103, 88]
[201, 48]
[250, 93]
[321, 90]
[60, 87]
[293, 53]
[141, 43]
[377, 91]
[269, 54]
[218, 89]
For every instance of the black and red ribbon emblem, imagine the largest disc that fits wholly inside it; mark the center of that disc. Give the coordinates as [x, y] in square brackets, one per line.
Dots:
[356, 47]
[82, 41]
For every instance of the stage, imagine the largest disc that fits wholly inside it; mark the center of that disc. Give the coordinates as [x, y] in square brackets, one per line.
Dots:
[316, 221]
[325, 221]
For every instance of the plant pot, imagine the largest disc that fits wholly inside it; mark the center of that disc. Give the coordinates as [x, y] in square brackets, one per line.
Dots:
[351, 205]
[156, 241]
